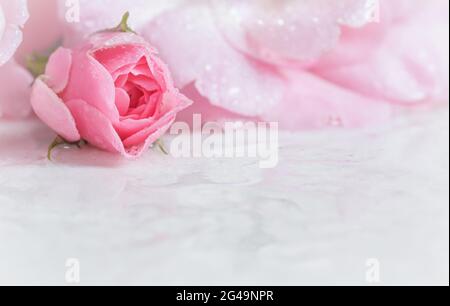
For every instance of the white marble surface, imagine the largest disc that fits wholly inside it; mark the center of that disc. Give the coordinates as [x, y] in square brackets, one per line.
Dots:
[335, 200]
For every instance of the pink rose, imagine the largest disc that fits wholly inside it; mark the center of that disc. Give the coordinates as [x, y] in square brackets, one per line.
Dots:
[113, 91]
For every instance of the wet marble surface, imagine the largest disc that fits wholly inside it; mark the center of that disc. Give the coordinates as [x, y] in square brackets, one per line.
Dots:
[335, 200]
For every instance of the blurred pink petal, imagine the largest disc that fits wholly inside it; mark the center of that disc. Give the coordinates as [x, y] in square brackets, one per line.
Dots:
[284, 31]
[310, 102]
[242, 85]
[197, 52]
[13, 15]
[408, 63]
[209, 112]
[308, 63]
[15, 86]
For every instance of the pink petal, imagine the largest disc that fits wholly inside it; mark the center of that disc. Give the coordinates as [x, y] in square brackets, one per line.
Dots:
[141, 69]
[144, 138]
[122, 101]
[172, 104]
[52, 111]
[409, 64]
[311, 102]
[209, 112]
[15, 11]
[95, 127]
[14, 91]
[136, 131]
[58, 69]
[113, 39]
[9, 42]
[92, 83]
[13, 15]
[383, 77]
[127, 127]
[285, 32]
[121, 80]
[144, 82]
[160, 72]
[137, 150]
[188, 40]
[98, 131]
[114, 58]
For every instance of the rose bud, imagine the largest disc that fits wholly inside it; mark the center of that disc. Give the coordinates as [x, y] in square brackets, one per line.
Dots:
[113, 92]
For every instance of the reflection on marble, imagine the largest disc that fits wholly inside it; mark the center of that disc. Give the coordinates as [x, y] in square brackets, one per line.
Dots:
[335, 200]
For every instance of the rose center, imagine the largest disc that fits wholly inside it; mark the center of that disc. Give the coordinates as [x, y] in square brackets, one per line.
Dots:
[137, 92]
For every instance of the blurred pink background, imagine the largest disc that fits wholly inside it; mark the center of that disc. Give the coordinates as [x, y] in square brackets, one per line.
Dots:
[43, 29]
